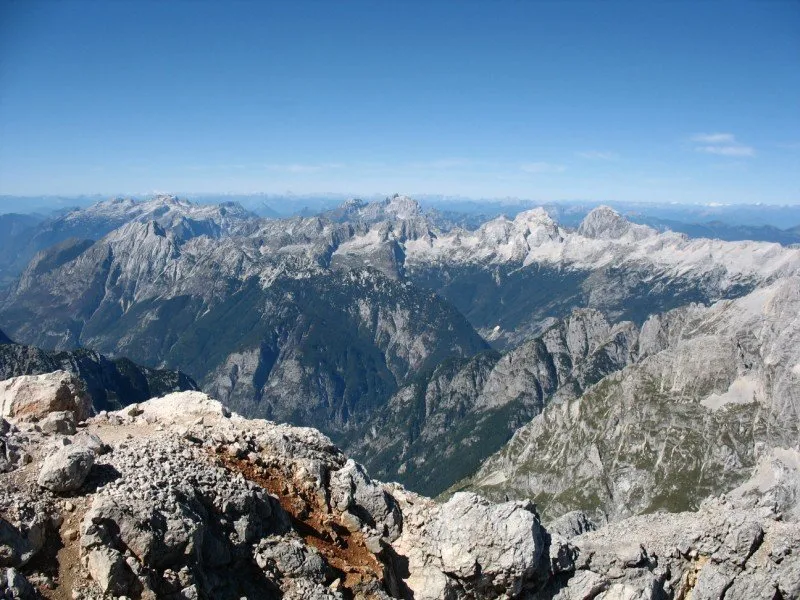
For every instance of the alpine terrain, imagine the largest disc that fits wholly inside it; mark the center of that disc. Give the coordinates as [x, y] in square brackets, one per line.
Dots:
[383, 401]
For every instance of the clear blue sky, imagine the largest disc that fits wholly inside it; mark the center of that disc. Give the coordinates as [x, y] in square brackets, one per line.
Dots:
[668, 101]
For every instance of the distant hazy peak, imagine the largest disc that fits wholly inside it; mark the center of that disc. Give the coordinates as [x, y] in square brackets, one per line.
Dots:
[352, 204]
[533, 226]
[169, 198]
[535, 218]
[117, 201]
[402, 207]
[604, 223]
[397, 207]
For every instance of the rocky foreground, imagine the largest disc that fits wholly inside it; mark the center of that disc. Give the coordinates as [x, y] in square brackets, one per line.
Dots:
[178, 498]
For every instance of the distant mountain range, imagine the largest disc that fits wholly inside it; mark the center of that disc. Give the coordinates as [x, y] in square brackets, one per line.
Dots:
[43, 221]
[446, 354]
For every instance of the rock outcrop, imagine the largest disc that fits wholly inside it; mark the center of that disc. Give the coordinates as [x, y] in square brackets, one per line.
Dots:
[193, 501]
[66, 469]
[468, 547]
[184, 499]
[718, 552]
[34, 397]
[604, 223]
[714, 391]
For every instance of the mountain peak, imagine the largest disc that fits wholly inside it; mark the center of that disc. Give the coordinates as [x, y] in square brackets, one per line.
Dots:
[538, 227]
[604, 223]
[402, 207]
[168, 199]
[352, 204]
[535, 216]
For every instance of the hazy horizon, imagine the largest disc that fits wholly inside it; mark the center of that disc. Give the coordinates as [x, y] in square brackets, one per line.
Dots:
[375, 196]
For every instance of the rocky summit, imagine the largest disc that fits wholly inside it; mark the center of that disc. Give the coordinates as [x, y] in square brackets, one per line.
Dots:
[177, 497]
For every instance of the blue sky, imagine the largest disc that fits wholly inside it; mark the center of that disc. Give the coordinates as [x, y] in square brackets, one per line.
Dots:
[662, 101]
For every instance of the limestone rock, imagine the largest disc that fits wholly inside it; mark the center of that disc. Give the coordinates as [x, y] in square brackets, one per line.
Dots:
[352, 490]
[66, 469]
[213, 505]
[718, 552]
[33, 397]
[20, 543]
[468, 546]
[481, 401]
[13, 443]
[62, 421]
[571, 524]
[292, 558]
[713, 394]
[604, 223]
[92, 442]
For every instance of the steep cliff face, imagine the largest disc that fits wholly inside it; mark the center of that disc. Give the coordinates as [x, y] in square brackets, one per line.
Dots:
[714, 389]
[464, 410]
[393, 208]
[343, 344]
[259, 319]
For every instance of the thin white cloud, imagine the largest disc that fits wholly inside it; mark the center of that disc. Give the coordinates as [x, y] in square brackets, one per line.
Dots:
[597, 155]
[542, 167]
[714, 138]
[722, 144]
[302, 168]
[736, 150]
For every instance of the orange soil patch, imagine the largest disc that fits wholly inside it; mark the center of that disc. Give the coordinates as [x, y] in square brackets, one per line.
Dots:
[344, 550]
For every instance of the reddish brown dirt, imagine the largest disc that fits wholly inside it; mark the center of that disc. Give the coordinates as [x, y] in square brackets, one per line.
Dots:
[344, 550]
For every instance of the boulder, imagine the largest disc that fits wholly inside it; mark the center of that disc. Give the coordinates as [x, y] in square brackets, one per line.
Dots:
[92, 442]
[12, 447]
[66, 469]
[282, 557]
[353, 492]
[468, 547]
[108, 568]
[61, 421]
[33, 397]
[571, 524]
